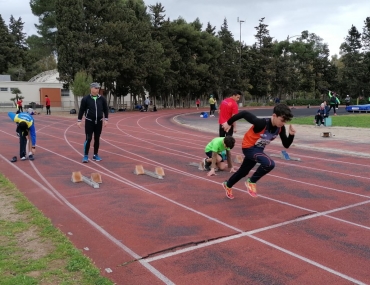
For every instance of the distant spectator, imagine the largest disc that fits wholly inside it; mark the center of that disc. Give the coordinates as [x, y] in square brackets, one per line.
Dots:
[211, 106]
[347, 100]
[146, 104]
[20, 105]
[333, 102]
[321, 114]
[197, 102]
[47, 104]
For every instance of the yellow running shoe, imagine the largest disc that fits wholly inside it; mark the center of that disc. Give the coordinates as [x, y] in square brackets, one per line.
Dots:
[252, 188]
[229, 191]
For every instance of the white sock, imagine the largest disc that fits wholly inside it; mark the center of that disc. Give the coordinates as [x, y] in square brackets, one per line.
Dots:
[30, 153]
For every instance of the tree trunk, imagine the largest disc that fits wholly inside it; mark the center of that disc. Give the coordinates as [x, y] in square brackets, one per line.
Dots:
[76, 104]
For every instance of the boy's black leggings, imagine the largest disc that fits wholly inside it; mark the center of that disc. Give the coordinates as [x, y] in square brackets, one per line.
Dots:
[22, 144]
[332, 106]
[222, 132]
[90, 129]
[252, 156]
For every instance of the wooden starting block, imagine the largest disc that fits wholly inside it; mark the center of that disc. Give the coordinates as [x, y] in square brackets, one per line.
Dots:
[78, 177]
[326, 134]
[96, 177]
[158, 172]
[238, 159]
[284, 155]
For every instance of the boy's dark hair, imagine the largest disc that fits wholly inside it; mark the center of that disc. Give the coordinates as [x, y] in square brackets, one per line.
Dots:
[229, 142]
[23, 128]
[282, 110]
[237, 92]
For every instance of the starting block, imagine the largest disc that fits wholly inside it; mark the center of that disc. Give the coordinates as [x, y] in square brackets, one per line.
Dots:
[78, 177]
[158, 172]
[238, 159]
[96, 177]
[326, 134]
[200, 165]
[284, 155]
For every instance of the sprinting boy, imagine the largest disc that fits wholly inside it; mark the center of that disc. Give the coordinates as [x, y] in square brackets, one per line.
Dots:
[263, 131]
[214, 151]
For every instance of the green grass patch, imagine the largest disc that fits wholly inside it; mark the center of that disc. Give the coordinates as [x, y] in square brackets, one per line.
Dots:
[356, 121]
[33, 251]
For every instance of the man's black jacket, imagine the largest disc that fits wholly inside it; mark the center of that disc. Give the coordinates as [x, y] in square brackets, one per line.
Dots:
[93, 108]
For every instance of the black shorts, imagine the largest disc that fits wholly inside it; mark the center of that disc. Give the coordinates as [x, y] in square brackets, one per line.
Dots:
[209, 154]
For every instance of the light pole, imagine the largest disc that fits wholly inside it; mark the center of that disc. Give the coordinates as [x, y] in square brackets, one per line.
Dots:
[292, 37]
[240, 42]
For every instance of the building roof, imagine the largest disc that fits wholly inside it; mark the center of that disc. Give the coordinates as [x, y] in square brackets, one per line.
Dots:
[50, 76]
[5, 78]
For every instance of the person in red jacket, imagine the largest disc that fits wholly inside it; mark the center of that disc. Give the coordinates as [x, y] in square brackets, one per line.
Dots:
[20, 105]
[228, 108]
[47, 104]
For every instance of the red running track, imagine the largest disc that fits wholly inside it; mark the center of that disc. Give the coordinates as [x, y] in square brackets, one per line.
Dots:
[309, 225]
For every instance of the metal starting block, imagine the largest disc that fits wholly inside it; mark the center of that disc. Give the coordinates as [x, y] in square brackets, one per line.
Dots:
[158, 172]
[78, 177]
[284, 155]
[200, 165]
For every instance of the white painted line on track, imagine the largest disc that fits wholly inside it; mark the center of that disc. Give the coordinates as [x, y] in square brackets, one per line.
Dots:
[31, 178]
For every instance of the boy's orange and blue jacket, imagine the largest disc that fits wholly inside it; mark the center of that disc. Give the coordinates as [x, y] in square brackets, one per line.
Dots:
[25, 117]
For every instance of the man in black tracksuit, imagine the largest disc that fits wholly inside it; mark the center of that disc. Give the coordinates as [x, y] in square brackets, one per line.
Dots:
[93, 106]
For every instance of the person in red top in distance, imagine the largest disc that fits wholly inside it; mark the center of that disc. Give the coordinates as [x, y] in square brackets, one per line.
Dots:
[47, 104]
[228, 108]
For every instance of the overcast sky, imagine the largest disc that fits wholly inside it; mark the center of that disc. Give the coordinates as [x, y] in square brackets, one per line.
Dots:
[329, 19]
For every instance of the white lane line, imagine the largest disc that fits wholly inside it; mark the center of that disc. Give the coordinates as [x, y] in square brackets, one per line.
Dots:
[307, 260]
[248, 233]
[31, 178]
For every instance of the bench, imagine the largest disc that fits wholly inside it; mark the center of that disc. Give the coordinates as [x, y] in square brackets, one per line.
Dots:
[34, 106]
[9, 105]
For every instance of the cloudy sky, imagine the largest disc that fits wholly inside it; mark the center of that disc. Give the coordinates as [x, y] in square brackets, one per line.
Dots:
[329, 19]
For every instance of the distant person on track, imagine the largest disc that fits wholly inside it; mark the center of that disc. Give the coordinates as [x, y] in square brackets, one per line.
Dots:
[334, 101]
[228, 108]
[47, 104]
[20, 105]
[263, 131]
[217, 151]
[347, 100]
[26, 132]
[95, 109]
[197, 102]
[212, 106]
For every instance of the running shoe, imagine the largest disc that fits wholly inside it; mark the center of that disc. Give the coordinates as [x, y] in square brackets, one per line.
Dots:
[207, 165]
[23, 158]
[85, 159]
[252, 188]
[96, 157]
[229, 191]
[30, 157]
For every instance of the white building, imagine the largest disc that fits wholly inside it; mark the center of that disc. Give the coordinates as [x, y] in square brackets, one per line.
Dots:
[35, 89]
